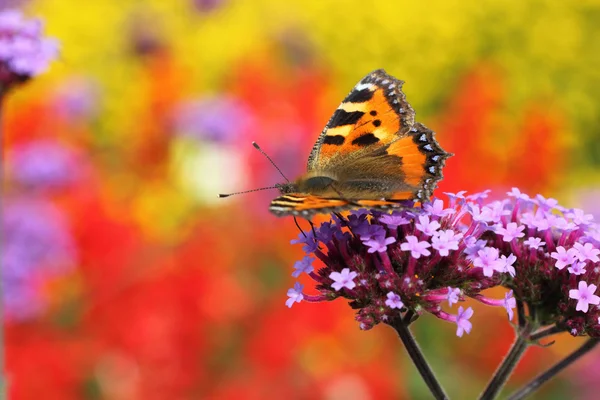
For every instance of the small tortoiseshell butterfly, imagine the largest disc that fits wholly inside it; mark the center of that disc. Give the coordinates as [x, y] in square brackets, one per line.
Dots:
[370, 154]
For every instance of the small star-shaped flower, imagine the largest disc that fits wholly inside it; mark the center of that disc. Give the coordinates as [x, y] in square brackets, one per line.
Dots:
[394, 301]
[416, 248]
[577, 268]
[563, 257]
[517, 194]
[586, 252]
[343, 279]
[534, 243]
[393, 221]
[508, 264]
[509, 303]
[427, 227]
[584, 296]
[453, 295]
[444, 241]
[294, 294]
[309, 242]
[512, 230]
[304, 265]
[488, 260]
[473, 247]
[462, 321]
[579, 217]
[437, 209]
[379, 244]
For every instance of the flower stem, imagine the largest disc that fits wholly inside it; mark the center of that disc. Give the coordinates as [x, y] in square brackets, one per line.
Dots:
[542, 333]
[508, 365]
[418, 359]
[554, 370]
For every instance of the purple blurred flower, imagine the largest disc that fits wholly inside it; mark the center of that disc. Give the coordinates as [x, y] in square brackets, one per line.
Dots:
[36, 245]
[24, 53]
[77, 98]
[44, 164]
[219, 119]
[206, 6]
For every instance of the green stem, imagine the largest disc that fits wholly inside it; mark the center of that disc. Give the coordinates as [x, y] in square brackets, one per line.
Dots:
[506, 368]
[542, 333]
[554, 370]
[418, 359]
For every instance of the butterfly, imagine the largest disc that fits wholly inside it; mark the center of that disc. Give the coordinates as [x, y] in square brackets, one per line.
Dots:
[371, 154]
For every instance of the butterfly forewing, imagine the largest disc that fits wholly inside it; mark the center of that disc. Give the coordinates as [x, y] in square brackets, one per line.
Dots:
[371, 116]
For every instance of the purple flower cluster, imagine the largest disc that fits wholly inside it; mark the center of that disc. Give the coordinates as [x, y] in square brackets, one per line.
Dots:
[556, 253]
[24, 53]
[416, 259]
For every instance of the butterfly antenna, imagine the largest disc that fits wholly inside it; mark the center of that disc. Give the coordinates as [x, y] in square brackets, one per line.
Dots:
[257, 147]
[246, 191]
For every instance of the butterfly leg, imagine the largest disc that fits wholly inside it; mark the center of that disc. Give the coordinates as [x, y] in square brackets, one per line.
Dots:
[301, 231]
[312, 226]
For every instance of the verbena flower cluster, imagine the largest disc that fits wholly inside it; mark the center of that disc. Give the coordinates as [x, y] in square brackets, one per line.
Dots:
[423, 258]
[24, 52]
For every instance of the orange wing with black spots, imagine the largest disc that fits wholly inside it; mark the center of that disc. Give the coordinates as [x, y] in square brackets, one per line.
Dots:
[371, 116]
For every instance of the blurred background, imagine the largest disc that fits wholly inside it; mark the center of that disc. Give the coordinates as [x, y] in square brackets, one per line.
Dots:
[125, 277]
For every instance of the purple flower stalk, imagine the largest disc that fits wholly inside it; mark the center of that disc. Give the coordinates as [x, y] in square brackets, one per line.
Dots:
[24, 52]
[554, 260]
[413, 259]
[420, 259]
